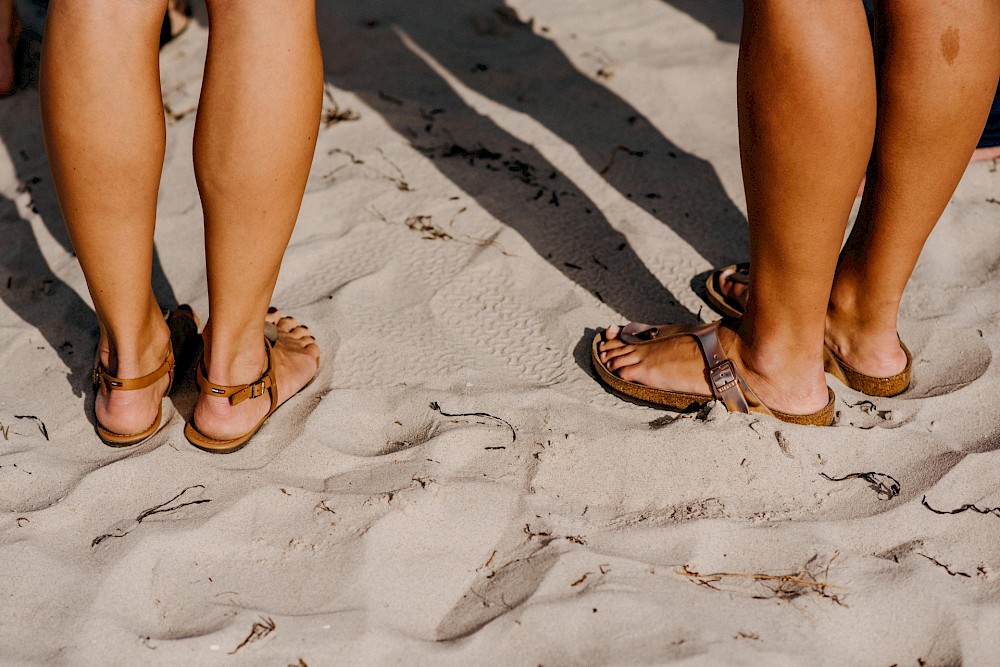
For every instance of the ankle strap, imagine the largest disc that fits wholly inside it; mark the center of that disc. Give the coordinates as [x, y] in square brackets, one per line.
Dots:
[241, 392]
[106, 381]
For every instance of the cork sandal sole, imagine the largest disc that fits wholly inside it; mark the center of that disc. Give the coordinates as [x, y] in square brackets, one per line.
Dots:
[723, 376]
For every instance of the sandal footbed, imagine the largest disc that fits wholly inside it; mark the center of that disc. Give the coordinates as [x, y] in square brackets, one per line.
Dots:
[685, 401]
[870, 385]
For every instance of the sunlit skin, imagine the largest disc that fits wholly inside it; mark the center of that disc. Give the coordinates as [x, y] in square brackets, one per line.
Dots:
[808, 131]
[256, 130]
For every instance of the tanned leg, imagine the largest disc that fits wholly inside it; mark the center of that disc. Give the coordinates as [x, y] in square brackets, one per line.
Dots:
[806, 88]
[256, 132]
[104, 130]
[8, 41]
[938, 64]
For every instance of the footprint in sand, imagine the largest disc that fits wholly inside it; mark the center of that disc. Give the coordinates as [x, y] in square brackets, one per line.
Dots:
[944, 360]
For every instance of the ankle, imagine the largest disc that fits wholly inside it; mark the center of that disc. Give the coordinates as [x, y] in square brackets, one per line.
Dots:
[856, 307]
[137, 348]
[784, 369]
[232, 360]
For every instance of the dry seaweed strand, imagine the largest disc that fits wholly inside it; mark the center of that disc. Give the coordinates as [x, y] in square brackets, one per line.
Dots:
[38, 422]
[788, 586]
[437, 408]
[946, 568]
[259, 631]
[888, 487]
[995, 511]
[159, 509]
[335, 114]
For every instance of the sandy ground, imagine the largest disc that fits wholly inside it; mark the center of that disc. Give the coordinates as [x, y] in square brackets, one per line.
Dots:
[490, 186]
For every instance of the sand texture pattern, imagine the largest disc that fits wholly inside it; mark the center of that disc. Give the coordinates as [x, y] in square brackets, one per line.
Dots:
[492, 184]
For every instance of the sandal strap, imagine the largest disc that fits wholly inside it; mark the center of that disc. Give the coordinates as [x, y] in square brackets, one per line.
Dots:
[728, 385]
[106, 381]
[241, 392]
[741, 274]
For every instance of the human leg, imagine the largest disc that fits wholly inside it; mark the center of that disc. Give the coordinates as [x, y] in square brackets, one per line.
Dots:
[256, 131]
[938, 65]
[100, 98]
[9, 29]
[805, 136]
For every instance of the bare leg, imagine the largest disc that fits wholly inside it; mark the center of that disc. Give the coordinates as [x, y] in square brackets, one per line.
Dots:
[8, 41]
[797, 208]
[806, 130]
[100, 96]
[938, 65]
[255, 136]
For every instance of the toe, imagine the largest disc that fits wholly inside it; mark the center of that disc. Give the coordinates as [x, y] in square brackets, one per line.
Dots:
[607, 346]
[273, 315]
[287, 324]
[623, 360]
[616, 352]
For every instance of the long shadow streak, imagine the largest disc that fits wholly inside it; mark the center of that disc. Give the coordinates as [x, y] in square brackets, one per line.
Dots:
[508, 177]
[496, 54]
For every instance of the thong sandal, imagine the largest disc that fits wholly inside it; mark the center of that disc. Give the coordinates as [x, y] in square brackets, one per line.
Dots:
[183, 325]
[728, 385]
[236, 395]
[729, 306]
[724, 304]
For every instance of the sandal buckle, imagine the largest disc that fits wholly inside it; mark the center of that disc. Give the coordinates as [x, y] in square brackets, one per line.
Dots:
[723, 376]
[257, 389]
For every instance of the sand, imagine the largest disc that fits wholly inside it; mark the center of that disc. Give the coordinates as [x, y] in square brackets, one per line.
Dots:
[455, 488]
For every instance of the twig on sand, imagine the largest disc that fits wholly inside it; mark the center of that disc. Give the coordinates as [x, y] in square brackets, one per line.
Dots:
[785, 587]
[159, 509]
[995, 511]
[257, 632]
[437, 408]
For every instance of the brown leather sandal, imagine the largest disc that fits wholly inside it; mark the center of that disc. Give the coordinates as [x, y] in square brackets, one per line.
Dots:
[728, 385]
[236, 395]
[726, 305]
[183, 325]
[729, 306]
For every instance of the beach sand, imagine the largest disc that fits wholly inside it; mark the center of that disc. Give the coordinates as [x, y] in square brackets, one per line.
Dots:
[492, 184]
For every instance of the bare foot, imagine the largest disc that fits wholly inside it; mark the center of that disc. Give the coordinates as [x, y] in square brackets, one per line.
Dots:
[295, 359]
[677, 364]
[872, 350]
[989, 153]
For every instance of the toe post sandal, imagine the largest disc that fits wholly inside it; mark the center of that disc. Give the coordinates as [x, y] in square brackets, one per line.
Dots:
[183, 324]
[722, 303]
[870, 385]
[725, 379]
[236, 395]
[729, 306]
